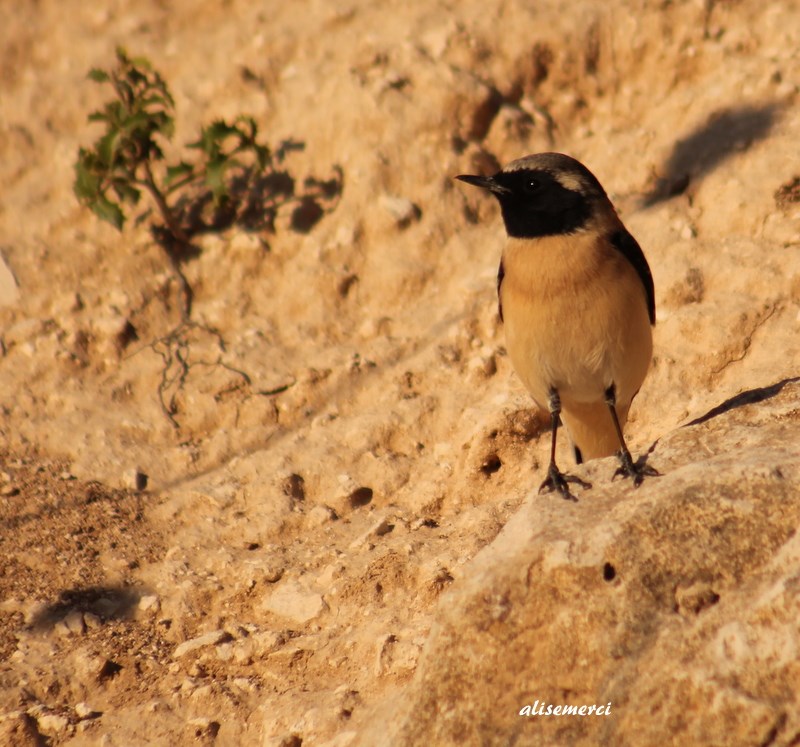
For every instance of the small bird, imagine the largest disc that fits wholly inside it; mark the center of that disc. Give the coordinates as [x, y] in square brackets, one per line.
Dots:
[577, 301]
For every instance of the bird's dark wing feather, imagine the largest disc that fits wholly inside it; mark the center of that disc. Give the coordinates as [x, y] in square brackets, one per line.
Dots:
[501, 273]
[631, 250]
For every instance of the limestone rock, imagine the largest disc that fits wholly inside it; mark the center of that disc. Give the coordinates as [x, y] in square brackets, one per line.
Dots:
[74, 622]
[193, 644]
[85, 711]
[676, 603]
[48, 721]
[295, 602]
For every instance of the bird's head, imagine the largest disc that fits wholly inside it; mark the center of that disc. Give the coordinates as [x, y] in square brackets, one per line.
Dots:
[544, 194]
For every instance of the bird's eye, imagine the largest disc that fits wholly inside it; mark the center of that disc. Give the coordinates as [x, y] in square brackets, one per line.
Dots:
[531, 186]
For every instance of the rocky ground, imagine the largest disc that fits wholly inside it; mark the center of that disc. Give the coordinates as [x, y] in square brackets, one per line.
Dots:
[345, 546]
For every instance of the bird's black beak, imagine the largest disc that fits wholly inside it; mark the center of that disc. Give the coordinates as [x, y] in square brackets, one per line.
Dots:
[486, 182]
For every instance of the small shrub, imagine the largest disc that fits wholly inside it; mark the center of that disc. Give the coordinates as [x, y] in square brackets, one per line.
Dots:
[228, 176]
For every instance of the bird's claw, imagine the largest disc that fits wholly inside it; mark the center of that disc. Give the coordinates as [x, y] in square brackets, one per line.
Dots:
[558, 481]
[637, 471]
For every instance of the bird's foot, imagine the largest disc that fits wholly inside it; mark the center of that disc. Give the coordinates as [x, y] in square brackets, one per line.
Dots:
[637, 471]
[557, 480]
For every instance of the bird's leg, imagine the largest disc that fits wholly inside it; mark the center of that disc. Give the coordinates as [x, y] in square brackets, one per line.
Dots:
[556, 479]
[635, 470]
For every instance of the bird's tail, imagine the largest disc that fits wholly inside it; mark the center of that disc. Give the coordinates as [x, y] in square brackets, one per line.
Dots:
[592, 429]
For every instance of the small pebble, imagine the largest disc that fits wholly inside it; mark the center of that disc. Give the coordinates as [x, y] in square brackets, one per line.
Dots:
[382, 526]
[91, 620]
[320, 515]
[293, 601]
[148, 602]
[48, 721]
[401, 209]
[74, 622]
[84, 710]
[273, 572]
[244, 684]
[209, 639]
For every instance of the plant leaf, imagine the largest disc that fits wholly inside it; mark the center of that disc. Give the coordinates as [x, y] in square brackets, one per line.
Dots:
[106, 147]
[141, 62]
[98, 75]
[215, 177]
[126, 192]
[108, 211]
[156, 99]
[177, 172]
[87, 184]
[219, 130]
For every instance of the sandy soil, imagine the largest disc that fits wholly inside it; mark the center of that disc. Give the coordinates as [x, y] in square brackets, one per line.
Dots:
[276, 579]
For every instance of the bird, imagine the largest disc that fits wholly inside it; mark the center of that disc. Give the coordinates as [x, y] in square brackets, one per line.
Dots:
[577, 301]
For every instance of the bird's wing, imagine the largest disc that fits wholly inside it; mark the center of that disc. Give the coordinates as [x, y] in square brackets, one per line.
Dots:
[631, 250]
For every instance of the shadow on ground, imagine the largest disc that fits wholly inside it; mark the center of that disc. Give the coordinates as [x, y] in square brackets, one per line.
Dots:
[749, 397]
[107, 602]
[724, 133]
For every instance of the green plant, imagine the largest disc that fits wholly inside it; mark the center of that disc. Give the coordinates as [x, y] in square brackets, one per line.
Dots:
[111, 176]
[229, 172]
